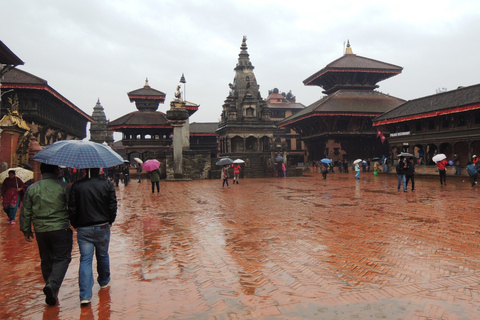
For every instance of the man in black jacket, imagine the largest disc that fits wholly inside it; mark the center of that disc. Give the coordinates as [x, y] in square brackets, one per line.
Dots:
[92, 210]
[410, 172]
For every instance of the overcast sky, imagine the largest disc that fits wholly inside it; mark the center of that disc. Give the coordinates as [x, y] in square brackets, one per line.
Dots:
[103, 49]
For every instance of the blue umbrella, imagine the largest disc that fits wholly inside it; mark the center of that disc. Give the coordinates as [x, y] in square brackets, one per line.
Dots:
[326, 160]
[279, 159]
[79, 154]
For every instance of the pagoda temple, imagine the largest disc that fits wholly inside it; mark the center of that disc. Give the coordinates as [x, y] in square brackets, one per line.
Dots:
[339, 125]
[147, 133]
[245, 129]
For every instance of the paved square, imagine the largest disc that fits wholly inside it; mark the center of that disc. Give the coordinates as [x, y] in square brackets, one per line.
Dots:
[294, 248]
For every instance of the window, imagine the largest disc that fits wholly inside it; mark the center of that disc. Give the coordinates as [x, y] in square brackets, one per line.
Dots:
[299, 144]
[461, 120]
[418, 126]
[445, 122]
[431, 125]
[289, 144]
[278, 114]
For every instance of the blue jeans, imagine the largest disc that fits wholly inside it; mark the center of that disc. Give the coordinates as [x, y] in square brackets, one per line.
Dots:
[357, 175]
[93, 239]
[401, 177]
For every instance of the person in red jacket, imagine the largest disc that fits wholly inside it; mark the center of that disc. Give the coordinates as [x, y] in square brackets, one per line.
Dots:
[236, 173]
[442, 170]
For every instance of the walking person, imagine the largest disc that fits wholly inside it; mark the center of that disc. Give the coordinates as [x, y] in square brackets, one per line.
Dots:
[357, 170]
[126, 174]
[324, 170]
[472, 173]
[385, 164]
[410, 173]
[456, 162]
[139, 172]
[345, 165]
[236, 173]
[284, 169]
[155, 180]
[116, 175]
[13, 190]
[93, 209]
[401, 168]
[442, 171]
[224, 176]
[45, 206]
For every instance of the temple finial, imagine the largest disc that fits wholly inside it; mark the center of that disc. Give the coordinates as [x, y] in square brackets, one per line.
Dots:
[182, 79]
[348, 50]
[146, 82]
[244, 44]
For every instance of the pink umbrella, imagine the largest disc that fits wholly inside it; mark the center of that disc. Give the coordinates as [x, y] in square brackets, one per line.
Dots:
[151, 165]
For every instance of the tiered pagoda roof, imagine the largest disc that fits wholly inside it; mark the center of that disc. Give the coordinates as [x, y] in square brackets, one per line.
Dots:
[352, 72]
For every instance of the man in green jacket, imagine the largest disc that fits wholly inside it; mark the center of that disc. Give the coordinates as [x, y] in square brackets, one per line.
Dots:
[45, 206]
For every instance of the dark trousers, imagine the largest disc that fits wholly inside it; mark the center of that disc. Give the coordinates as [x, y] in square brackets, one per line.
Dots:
[473, 179]
[55, 248]
[443, 176]
[155, 183]
[408, 178]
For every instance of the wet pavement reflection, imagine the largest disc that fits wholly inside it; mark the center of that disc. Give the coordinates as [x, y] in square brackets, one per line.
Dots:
[295, 248]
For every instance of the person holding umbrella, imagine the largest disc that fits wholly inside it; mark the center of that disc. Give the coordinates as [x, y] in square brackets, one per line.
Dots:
[324, 169]
[45, 207]
[224, 175]
[13, 189]
[357, 168]
[236, 172]
[442, 163]
[442, 171]
[153, 168]
[155, 179]
[401, 167]
[92, 210]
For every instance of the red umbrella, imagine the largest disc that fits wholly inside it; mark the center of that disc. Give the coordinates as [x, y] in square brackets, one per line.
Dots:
[151, 165]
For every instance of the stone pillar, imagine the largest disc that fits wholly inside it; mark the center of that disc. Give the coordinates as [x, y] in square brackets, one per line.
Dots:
[177, 115]
[186, 135]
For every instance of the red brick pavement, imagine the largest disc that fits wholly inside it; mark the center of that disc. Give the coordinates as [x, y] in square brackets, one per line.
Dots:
[295, 248]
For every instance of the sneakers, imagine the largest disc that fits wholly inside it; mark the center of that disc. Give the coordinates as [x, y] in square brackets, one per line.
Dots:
[103, 286]
[51, 297]
[12, 222]
[85, 301]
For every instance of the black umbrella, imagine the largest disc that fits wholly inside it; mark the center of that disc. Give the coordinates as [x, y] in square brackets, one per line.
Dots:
[406, 155]
[279, 159]
[224, 161]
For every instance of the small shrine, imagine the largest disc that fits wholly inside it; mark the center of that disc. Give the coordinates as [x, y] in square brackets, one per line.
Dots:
[15, 137]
